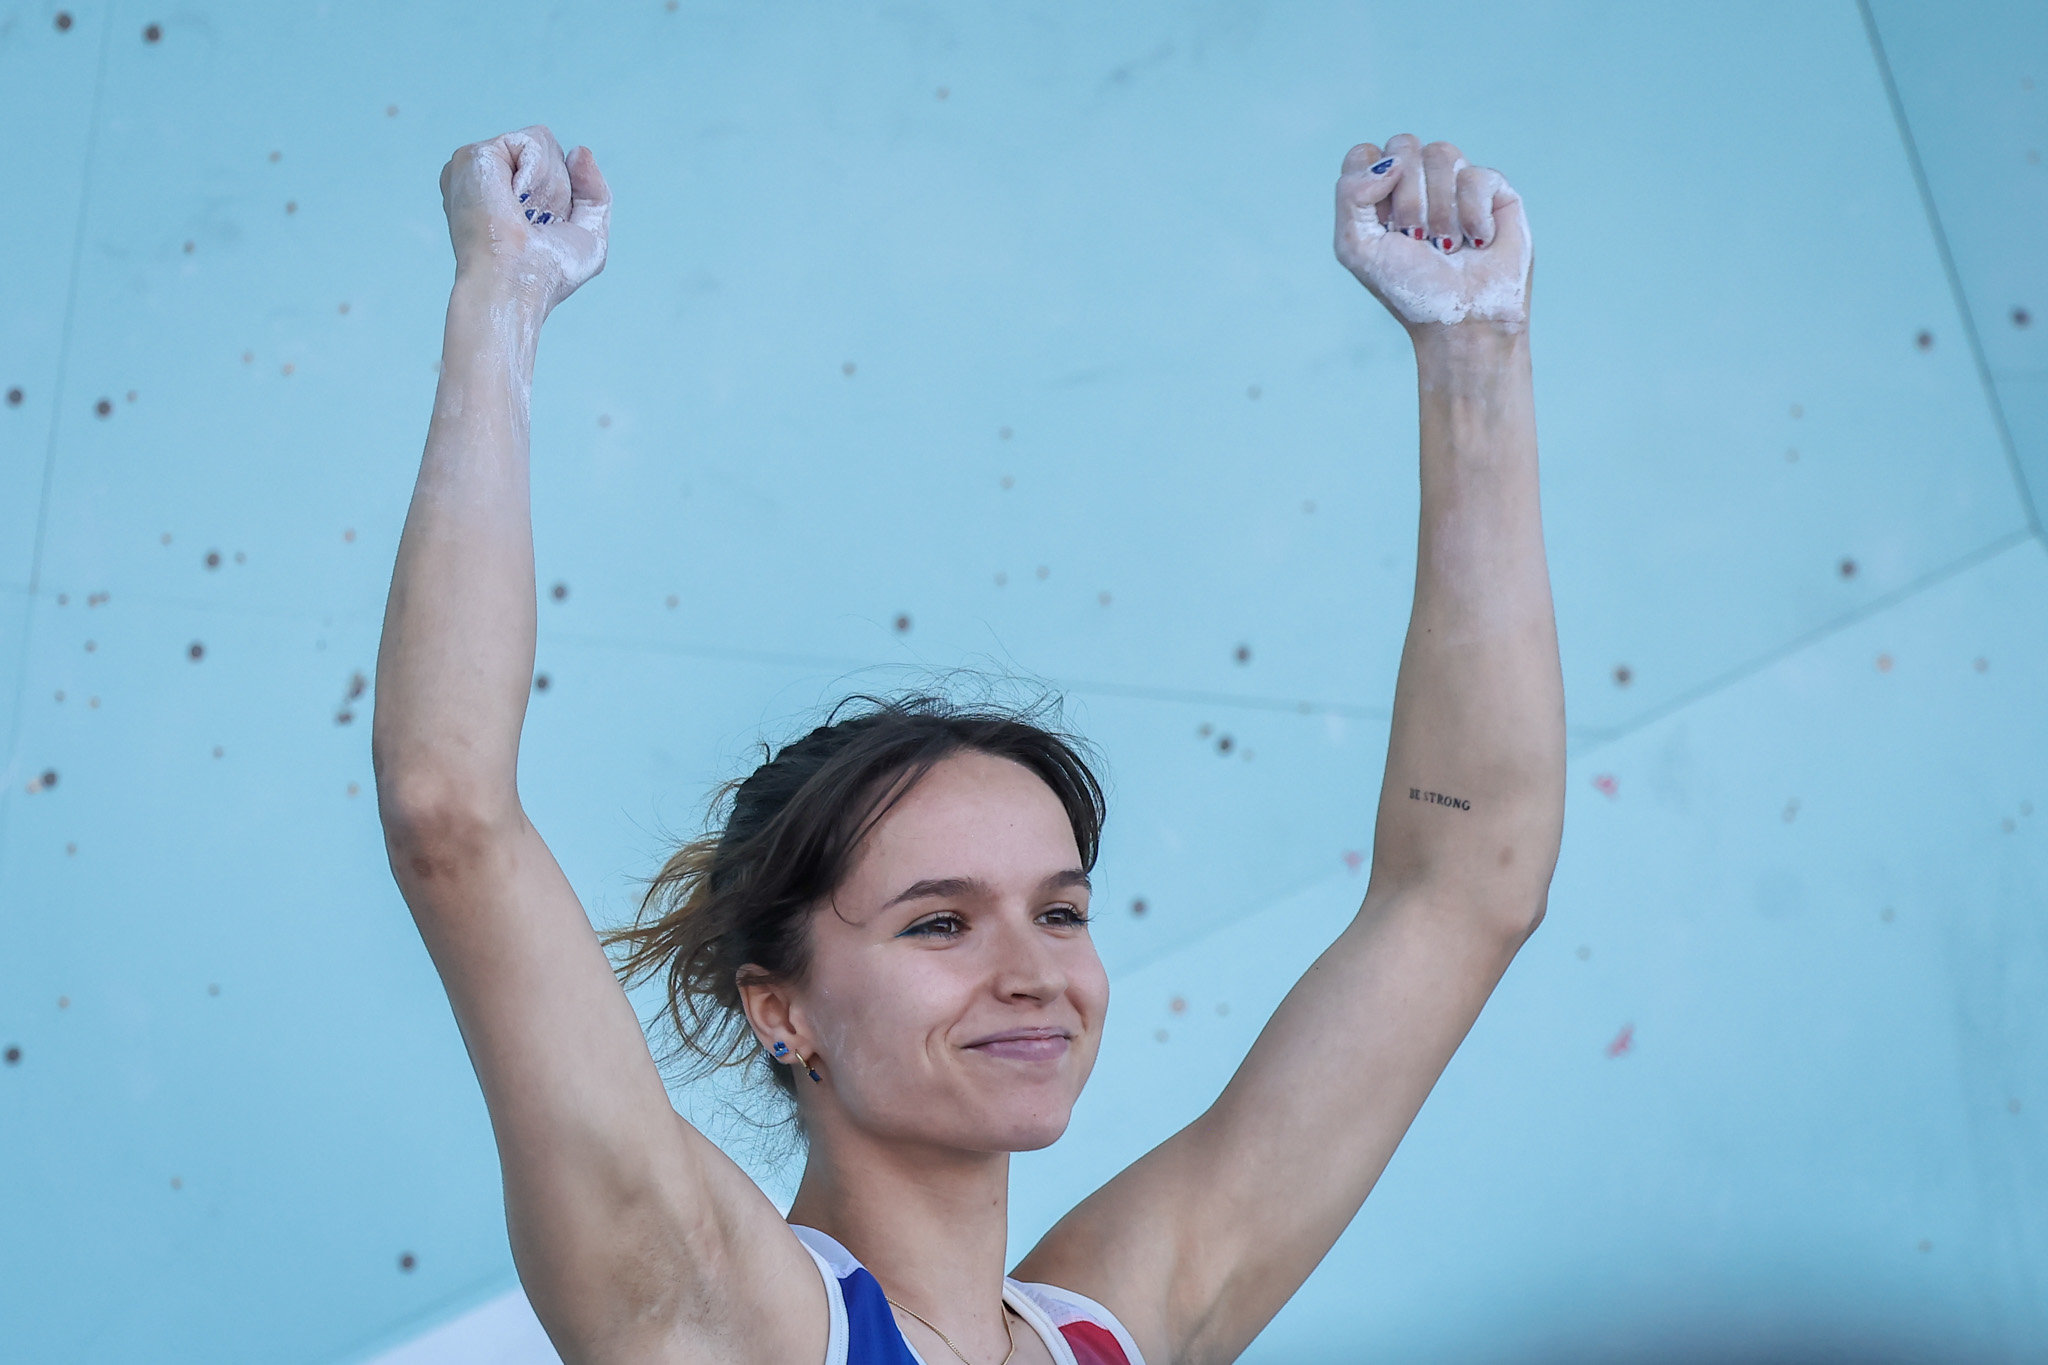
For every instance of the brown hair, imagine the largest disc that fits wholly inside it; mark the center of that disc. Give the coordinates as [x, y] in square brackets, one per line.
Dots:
[740, 898]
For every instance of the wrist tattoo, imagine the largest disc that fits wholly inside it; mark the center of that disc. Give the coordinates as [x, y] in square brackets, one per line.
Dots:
[1438, 798]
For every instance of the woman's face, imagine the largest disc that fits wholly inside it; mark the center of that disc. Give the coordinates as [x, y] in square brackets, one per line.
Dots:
[954, 995]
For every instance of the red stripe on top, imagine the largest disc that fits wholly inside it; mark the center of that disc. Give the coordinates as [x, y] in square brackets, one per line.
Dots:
[1093, 1344]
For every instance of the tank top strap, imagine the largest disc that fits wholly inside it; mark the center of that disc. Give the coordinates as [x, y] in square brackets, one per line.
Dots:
[863, 1330]
[1087, 1329]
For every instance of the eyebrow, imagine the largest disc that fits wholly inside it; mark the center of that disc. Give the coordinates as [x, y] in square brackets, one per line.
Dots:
[974, 886]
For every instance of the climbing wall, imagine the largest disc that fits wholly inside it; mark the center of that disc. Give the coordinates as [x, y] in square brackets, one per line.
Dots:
[936, 336]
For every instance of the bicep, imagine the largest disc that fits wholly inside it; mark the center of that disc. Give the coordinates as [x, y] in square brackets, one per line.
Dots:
[623, 1218]
[1207, 1236]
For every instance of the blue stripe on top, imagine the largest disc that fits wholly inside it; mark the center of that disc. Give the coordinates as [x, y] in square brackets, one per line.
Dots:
[872, 1337]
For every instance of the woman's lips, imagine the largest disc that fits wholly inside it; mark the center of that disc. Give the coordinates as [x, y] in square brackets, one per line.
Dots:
[1030, 1045]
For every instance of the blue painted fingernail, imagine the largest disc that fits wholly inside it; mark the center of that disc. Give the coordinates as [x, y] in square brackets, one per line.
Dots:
[545, 217]
[523, 197]
[1383, 167]
[530, 213]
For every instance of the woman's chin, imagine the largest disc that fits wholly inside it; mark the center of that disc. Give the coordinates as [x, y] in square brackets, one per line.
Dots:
[1030, 1130]
[1026, 1131]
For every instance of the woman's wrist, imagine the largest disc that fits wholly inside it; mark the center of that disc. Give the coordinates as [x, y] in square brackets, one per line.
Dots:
[1462, 354]
[487, 317]
[487, 290]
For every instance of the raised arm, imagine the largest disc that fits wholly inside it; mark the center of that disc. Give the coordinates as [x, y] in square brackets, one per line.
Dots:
[635, 1238]
[1199, 1243]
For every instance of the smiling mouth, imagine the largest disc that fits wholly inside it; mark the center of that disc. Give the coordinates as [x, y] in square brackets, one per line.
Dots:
[1026, 1045]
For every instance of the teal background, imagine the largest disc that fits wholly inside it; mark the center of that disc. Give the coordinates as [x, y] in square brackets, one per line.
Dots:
[1023, 323]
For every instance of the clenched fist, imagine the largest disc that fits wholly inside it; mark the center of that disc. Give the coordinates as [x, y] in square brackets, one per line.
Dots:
[1435, 239]
[533, 222]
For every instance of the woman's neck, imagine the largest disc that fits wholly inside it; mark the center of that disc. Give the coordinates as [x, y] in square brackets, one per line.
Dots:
[931, 1224]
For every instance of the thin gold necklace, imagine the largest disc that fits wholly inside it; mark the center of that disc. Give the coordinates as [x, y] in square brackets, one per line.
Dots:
[1007, 1331]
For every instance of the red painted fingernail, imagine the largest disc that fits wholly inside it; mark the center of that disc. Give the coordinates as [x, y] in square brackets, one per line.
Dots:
[1476, 241]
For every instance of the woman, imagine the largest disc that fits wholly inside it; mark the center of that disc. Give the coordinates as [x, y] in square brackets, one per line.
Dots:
[896, 914]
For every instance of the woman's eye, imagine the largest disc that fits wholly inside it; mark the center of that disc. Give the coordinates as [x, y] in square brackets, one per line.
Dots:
[943, 926]
[1068, 915]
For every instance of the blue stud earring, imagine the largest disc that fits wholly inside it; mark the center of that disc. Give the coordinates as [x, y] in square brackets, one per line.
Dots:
[782, 1049]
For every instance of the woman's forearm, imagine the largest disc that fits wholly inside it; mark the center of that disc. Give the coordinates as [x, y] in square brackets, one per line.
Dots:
[1473, 800]
[456, 659]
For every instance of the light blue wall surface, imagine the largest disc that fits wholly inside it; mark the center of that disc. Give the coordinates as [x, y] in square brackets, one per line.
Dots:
[1024, 323]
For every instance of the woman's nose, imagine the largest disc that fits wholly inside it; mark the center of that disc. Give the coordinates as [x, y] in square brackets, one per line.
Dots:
[1028, 966]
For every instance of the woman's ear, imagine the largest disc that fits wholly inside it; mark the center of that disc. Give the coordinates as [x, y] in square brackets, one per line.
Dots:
[770, 1010]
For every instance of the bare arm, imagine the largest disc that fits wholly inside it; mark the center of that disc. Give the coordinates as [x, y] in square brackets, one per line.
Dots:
[1203, 1239]
[634, 1236]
